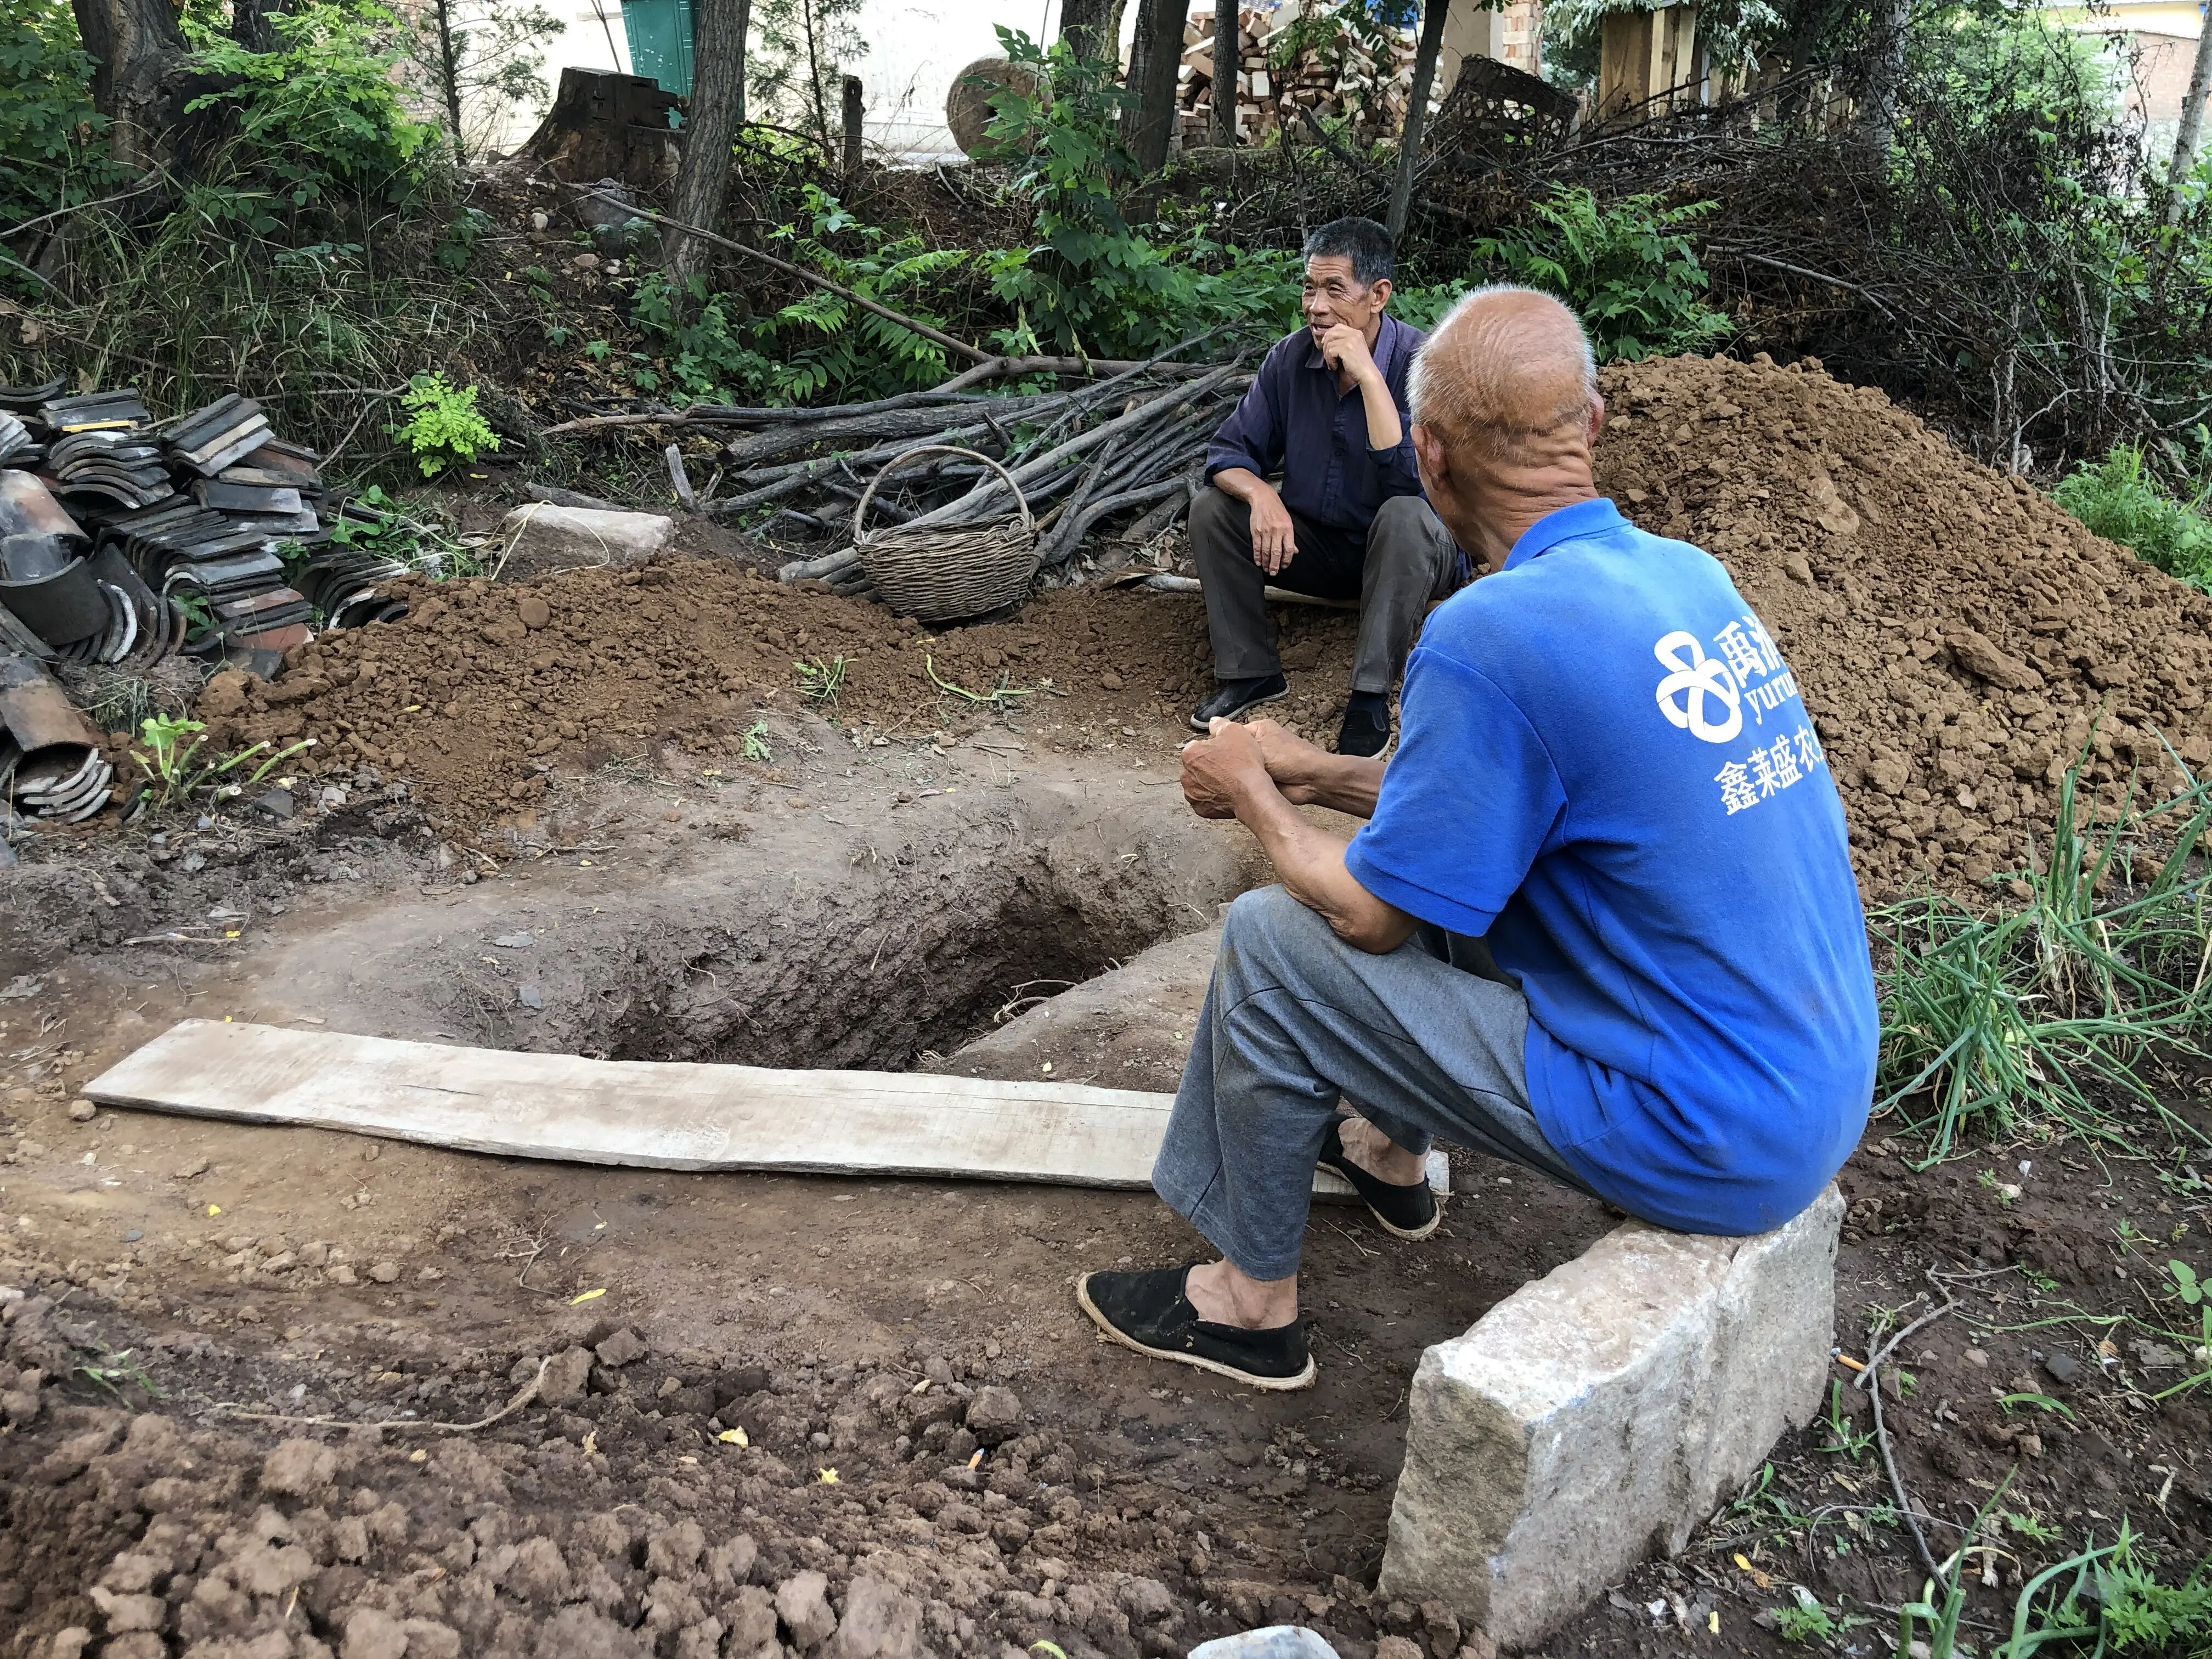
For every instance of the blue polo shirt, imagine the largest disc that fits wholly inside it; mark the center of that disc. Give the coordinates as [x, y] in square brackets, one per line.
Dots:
[1606, 768]
[1293, 419]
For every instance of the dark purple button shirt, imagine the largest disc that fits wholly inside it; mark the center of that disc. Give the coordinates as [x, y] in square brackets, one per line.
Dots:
[1294, 420]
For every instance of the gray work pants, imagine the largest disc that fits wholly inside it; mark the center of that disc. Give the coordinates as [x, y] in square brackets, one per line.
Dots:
[1423, 1042]
[1407, 559]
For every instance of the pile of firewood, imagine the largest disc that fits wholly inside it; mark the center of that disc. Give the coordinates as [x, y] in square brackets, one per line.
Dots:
[1309, 57]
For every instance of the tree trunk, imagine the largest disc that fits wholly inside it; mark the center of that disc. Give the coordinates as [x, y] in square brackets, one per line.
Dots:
[744, 32]
[851, 133]
[1417, 113]
[449, 73]
[1083, 25]
[710, 128]
[137, 48]
[252, 23]
[1227, 25]
[1154, 58]
[2192, 119]
[1885, 75]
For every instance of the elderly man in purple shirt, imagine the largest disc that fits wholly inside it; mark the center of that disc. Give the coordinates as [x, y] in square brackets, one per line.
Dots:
[1328, 412]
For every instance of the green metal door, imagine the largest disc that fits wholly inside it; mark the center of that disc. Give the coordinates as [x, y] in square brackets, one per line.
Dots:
[659, 33]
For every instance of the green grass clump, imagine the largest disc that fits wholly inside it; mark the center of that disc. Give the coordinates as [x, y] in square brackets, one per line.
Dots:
[2121, 498]
[2047, 1017]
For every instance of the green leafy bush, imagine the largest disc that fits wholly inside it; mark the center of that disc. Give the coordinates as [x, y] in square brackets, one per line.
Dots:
[1628, 267]
[820, 343]
[48, 158]
[2119, 497]
[320, 117]
[442, 428]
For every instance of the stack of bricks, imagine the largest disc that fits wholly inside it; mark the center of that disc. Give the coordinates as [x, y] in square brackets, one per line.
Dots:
[1338, 77]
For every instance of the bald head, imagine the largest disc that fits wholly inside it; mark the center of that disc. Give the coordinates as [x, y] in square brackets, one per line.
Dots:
[1505, 409]
[1506, 374]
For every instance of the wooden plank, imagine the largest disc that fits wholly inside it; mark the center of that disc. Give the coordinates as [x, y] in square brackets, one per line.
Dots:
[653, 1114]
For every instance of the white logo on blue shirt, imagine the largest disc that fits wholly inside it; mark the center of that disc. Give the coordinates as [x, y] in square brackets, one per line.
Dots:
[1747, 654]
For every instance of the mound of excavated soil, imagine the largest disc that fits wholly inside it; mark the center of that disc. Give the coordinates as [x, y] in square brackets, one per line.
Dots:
[485, 691]
[1955, 635]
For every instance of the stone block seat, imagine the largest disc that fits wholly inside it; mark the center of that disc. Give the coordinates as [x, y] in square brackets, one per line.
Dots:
[1596, 1416]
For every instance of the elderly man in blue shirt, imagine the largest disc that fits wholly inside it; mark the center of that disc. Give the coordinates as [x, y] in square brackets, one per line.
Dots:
[1328, 412]
[1601, 920]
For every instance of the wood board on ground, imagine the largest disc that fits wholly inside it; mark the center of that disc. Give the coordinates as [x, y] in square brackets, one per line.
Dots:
[655, 1114]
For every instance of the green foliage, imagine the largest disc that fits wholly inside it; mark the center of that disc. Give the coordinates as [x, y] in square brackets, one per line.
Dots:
[2186, 1285]
[2121, 498]
[2046, 1015]
[176, 770]
[801, 54]
[756, 744]
[442, 428]
[49, 157]
[820, 682]
[1804, 1620]
[497, 63]
[320, 117]
[1628, 267]
[820, 343]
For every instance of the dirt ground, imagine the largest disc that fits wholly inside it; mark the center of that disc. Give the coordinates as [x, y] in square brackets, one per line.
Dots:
[604, 815]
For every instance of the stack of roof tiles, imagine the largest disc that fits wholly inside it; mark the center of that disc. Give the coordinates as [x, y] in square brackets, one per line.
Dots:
[193, 510]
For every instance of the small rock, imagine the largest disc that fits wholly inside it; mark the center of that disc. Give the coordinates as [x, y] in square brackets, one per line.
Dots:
[566, 1374]
[533, 612]
[384, 1273]
[879, 1623]
[541, 539]
[802, 1602]
[372, 1634]
[621, 1348]
[515, 941]
[994, 1414]
[1976, 1357]
[83, 1111]
[299, 1468]
[68, 1643]
[2062, 1367]
[198, 1166]
[342, 1275]
[278, 804]
[529, 996]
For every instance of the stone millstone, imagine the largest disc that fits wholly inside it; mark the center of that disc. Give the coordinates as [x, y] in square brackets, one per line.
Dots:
[967, 106]
[1601, 1412]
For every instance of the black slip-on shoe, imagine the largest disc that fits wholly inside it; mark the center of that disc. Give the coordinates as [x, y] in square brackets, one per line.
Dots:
[1149, 1312]
[1233, 697]
[1366, 732]
[1409, 1212]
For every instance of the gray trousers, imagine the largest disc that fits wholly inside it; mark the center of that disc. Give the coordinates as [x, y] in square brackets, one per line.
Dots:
[1407, 559]
[1423, 1042]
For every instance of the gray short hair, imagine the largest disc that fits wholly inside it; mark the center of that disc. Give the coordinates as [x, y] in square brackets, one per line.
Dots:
[1478, 389]
[1363, 241]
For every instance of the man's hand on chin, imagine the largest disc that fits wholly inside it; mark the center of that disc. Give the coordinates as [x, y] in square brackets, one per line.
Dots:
[1344, 348]
[1223, 768]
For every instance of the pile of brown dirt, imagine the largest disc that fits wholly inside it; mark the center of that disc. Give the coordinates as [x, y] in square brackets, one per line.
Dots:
[485, 690]
[1954, 632]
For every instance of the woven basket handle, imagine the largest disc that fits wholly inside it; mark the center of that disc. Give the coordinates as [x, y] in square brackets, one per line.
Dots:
[860, 507]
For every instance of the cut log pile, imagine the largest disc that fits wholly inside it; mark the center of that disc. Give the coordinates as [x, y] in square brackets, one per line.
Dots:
[1287, 61]
[1130, 447]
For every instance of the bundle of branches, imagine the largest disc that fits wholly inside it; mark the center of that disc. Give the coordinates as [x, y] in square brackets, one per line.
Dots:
[1132, 444]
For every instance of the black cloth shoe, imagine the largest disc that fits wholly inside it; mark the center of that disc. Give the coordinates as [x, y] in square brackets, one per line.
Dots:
[1149, 1312]
[1366, 728]
[1232, 698]
[1409, 1212]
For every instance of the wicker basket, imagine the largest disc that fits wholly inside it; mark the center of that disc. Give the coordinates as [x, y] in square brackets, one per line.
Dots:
[942, 572]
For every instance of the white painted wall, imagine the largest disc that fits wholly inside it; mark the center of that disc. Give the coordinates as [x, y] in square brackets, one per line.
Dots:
[915, 48]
